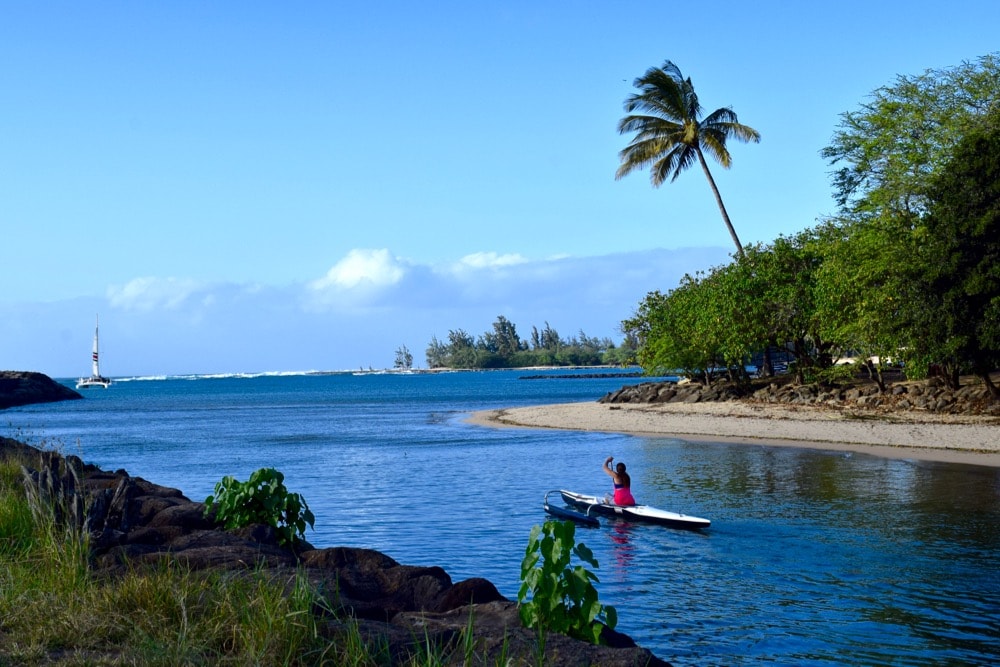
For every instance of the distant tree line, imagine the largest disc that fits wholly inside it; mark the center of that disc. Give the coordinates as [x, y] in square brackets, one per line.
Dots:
[502, 347]
[907, 273]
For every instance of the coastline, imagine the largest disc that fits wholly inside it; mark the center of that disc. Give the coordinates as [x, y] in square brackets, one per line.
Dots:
[923, 436]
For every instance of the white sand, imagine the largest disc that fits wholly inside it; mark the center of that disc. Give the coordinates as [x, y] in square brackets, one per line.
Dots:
[951, 438]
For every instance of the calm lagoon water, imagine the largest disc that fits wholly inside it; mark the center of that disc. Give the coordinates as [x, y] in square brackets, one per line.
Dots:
[813, 558]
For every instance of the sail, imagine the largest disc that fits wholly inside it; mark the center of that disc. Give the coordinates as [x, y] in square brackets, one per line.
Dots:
[96, 368]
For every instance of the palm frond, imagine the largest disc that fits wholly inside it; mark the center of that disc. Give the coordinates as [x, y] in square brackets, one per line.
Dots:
[713, 142]
[639, 155]
[663, 95]
[647, 124]
[672, 70]
[725, 121]
[744, 133]
[674, 162]
[721, 115]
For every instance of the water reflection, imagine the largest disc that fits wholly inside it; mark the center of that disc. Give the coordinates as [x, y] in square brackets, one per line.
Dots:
[622, 548]
[894, 561]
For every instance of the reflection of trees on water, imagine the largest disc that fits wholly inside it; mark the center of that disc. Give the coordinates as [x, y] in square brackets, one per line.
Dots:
[898, 498]
[958, 504]
[892, 557]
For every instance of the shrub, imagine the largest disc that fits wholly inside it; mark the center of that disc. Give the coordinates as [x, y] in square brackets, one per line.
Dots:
[562, 598]
[838, 374]
[261, 499]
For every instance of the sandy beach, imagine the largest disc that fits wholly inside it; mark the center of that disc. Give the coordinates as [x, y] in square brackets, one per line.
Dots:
[916, 435]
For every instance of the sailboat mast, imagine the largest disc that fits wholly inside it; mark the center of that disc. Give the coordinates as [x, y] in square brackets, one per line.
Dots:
[96, 372]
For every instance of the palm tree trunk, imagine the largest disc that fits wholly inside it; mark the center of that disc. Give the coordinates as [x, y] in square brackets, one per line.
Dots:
[718, 200]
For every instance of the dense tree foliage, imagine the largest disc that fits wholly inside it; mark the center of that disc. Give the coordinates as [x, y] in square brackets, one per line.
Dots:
[958, 286]
[501, 347]
[778, 283]
[715, 322]
[887, 151]
[860, 286]
[909, 273]
[675, 331]
[671, 135]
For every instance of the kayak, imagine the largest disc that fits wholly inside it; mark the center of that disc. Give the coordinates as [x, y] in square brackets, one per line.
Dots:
[644, 513]
[568, 514]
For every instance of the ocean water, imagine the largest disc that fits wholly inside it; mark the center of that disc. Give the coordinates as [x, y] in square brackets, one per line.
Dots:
[813, 557]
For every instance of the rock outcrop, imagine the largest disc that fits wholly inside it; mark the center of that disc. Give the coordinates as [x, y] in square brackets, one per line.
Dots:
[919, 395]
[134, 523]
[25, 387]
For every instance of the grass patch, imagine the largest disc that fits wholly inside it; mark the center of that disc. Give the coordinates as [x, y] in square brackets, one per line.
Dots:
[55, 611]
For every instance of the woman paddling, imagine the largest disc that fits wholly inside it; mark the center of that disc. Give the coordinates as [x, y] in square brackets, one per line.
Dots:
[623, 483]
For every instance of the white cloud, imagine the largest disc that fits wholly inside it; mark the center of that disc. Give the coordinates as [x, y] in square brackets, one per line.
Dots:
[375, 268]
[148, 293]
[490, 260]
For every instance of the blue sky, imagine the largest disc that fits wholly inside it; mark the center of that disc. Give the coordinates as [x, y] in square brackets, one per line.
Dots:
[248, 187]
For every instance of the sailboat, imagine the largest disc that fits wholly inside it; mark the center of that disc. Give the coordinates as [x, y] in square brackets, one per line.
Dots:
[95, 379]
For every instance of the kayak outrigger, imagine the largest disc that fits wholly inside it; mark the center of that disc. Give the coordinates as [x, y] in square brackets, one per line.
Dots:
[570, 514]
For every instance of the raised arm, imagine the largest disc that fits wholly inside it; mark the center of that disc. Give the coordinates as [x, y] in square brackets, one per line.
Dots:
[607, 468]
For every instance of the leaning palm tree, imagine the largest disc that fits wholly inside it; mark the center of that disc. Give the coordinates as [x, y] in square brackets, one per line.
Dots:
[669, 135]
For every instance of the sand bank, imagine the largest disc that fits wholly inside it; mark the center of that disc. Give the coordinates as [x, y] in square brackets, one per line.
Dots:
[950, 438]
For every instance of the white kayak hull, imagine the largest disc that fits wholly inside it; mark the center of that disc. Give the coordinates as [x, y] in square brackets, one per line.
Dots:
[644, 513]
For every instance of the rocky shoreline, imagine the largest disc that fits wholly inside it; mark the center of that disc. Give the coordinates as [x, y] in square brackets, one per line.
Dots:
[134, 523]
[25, 388]
[914, 396]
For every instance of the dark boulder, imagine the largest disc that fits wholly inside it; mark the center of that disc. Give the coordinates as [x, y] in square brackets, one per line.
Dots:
[371, 585]
[498, 635]
[25, 387]
[468, 591]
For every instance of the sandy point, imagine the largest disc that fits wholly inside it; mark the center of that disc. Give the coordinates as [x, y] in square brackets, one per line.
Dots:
[924, 436]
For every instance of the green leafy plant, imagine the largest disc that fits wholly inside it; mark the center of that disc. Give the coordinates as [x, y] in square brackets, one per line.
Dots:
[562, 597]
[838, 373]
[261, 499]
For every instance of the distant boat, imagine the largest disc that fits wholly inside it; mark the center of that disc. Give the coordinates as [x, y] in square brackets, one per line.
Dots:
[95, 379]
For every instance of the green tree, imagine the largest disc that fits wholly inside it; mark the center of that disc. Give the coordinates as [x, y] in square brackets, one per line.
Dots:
[624, 354]
[461, 350]
[670, 133]
[718, 319]
[436, 354]
[887, 151]
[503, 340]
[621, 355]
[884, 285]
[959, 290]
[404, 359]
[780, 304]
[550, 339]
[861, 288]
[674, 333]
